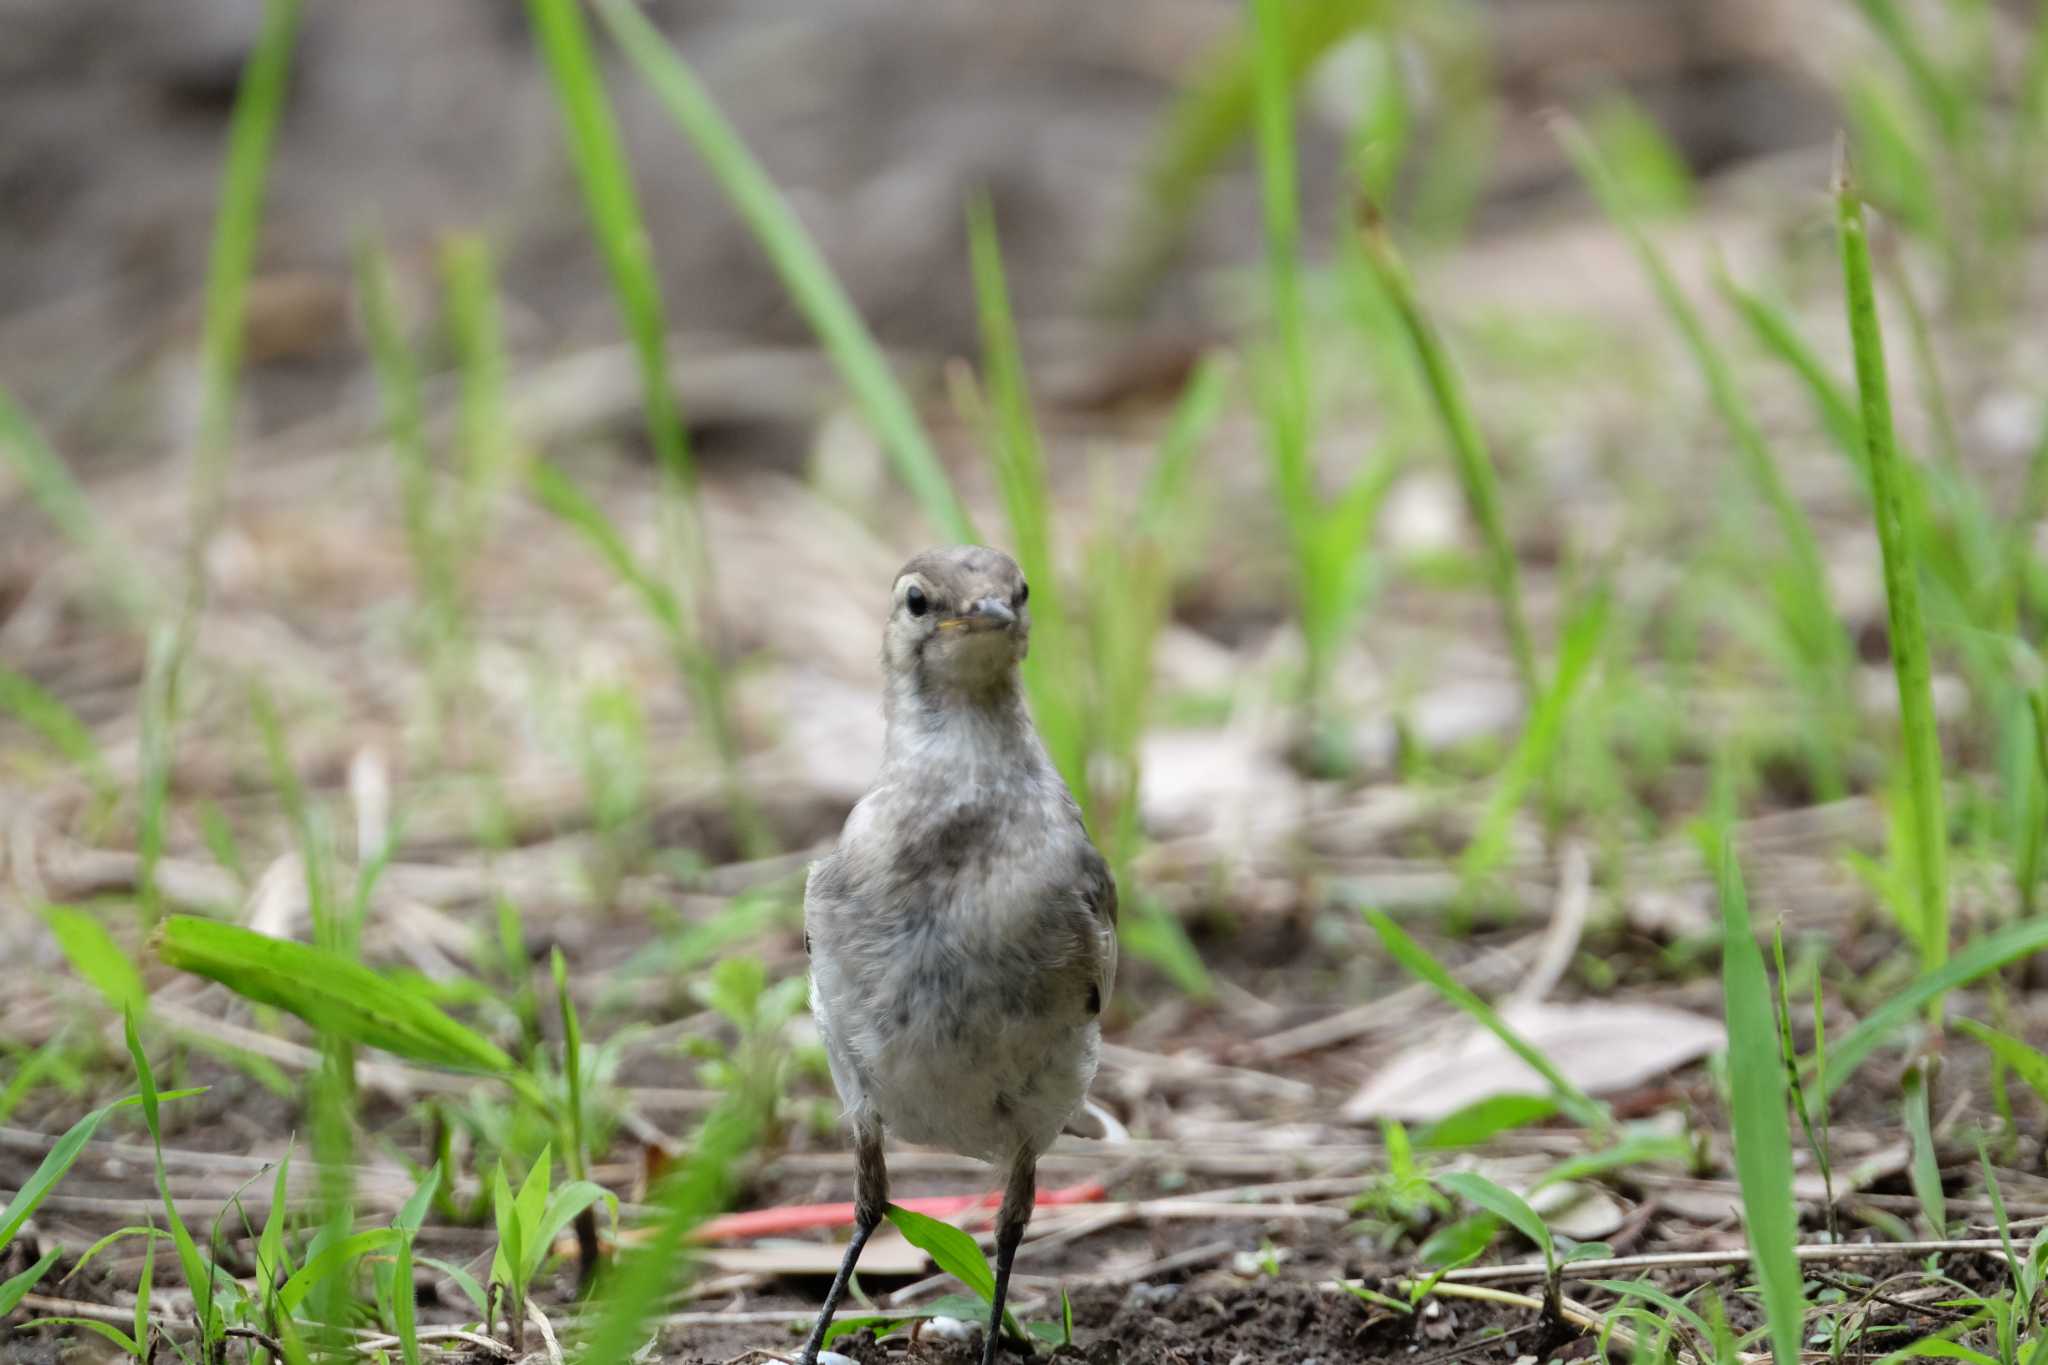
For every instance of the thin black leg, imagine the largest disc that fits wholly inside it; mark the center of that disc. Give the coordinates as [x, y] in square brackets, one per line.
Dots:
[871, 1197]
[1015, 1216]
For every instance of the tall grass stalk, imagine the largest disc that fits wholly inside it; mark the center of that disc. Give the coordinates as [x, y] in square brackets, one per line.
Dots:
[599, 154]
[398, 382]
[1910, 664]
[476, 331]
[1206, 124]
[238, 223]
[259, 101]
[1468, 447]
[56, 491]
[1810, 624]
[1018, 454]
[802, 267]
[1763, 1137]
[1326, 538]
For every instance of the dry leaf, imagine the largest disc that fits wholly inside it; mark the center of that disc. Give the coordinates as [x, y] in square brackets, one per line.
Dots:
[1599, 1047]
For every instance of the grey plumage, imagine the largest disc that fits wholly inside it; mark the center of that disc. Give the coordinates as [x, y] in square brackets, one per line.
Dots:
[962, 934]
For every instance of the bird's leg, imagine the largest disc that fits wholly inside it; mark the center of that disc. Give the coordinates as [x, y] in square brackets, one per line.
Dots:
[870, 1199]
[1018, 1198]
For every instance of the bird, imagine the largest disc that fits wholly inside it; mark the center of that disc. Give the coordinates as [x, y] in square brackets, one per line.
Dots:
[962, 933]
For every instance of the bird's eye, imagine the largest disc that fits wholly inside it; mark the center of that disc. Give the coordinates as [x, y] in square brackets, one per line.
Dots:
[1023, 595]
[914, 599]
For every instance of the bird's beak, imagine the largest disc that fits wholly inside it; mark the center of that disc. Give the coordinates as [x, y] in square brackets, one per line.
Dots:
[990, 613]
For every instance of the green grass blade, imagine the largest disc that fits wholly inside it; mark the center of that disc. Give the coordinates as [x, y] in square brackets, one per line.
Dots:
[599, 155]
[332, 993]
[237, 225]
[58, 1160]
[59, 726]
[477, 334]
[1207, 123]
[598, 152]
[1503, 1204]
[703, 1184]
[1910, 663]
[1811, 621]
[1575, 1102]
[804, 273]
[336, 1258]
[404, 1309]
[1468, 447]
[399, 391]
[15, 1288]
[94, 955]
[1987, 954]
[56, 492]
[1763, 1135]
[1018, 456]
[1577, 651]
[2029, 1064]
[954, 1252]
[199, 1274]
[1924, 1168]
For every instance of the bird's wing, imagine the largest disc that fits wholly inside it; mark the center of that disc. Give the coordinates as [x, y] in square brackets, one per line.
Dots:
[1098, 893]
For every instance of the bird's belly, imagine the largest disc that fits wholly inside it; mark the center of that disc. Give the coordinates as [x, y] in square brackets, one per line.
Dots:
[967, 1069]
[1001, 1087]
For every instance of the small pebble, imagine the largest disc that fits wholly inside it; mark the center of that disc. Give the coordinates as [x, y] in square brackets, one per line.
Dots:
[949, 1329]
[835, 1358]
[1152, 1295]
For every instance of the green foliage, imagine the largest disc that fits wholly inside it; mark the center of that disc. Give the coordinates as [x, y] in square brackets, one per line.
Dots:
[599, 155]
[1578, 650]
[1920, 740]
[1763, 1138]
[1483, 1120]
[95, 956]
[59, 727]
[58, 1160]
[1813, 637]
[55, 490]
[1573, 1101]
[1985, 955]
[332, 993]
[1327, 535]
[954, 1252]
[1219, 106]
[2029, 1064]
[811, 284]
[1468, 447]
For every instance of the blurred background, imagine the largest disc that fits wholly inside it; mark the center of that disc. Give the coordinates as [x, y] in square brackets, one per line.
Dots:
[454, 457]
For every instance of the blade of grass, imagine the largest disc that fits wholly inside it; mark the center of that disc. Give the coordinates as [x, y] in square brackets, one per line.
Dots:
[1577, 651]
[796, 259]
[59, 726]
[1581, 1107]
[1468, 447]
[1219, 106]
[55, 490]
[598, 152]
[1987, 954]
[1019, 459]
[1763, 1137]
[698, 1188]
[330, 992]
[238, 223]
[1924, 1168]
[1910, 664]
[1808, 618]
[94, 955]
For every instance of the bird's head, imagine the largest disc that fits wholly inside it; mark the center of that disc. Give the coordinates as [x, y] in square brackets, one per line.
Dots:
[957, 622]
